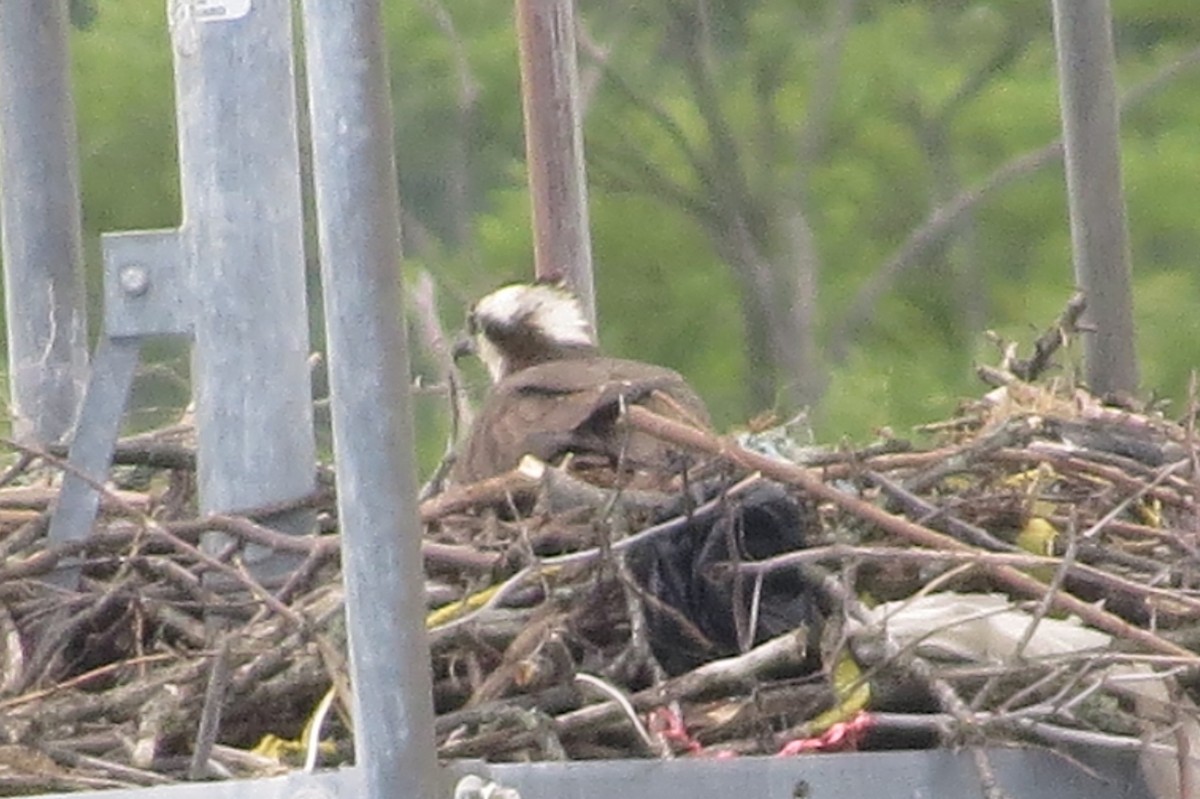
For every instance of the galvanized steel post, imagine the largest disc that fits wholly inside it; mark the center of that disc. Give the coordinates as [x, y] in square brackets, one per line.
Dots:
[45, 298]
[1096, 199]
[243, 239]
[358, 214]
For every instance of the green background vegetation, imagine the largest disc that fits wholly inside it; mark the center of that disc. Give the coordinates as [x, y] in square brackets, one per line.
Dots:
[930, 99]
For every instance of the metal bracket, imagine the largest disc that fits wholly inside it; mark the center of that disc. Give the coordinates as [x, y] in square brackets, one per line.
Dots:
[92, 447]
[145, 286]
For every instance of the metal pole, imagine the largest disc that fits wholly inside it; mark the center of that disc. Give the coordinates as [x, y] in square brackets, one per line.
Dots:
[562, 242]
[358, 215]
[45, 298]
[1099, 235]
[243, 239]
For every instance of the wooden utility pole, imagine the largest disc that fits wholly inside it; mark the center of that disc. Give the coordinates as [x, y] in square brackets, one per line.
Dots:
[562, 242]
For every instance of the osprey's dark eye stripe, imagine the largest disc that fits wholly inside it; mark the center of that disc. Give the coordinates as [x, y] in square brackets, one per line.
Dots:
[496, 329]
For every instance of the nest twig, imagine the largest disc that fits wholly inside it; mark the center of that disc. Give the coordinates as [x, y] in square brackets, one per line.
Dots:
[535, 611]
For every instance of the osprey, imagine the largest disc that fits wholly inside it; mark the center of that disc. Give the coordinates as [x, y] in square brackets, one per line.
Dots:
[554, 394]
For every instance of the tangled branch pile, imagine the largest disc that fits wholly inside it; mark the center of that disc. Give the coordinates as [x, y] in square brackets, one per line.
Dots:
[1030, 578]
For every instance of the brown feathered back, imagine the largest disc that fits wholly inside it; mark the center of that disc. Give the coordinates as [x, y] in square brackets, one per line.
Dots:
[571, 406]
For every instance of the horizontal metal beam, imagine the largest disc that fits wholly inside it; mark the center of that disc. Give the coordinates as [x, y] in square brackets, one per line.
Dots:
[341, 784]
[1029, 774]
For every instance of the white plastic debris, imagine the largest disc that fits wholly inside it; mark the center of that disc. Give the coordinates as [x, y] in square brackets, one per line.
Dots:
[474, 787]
[980, 627]
[988, 628]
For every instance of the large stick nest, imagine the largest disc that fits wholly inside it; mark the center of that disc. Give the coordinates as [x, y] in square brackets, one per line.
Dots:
[172, 662]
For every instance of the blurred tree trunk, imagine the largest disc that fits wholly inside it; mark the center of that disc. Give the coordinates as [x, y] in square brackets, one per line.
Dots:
[757, 222]
[944, 220]
[765, 235]
[460, 183]
[715, 138]
[959, 257]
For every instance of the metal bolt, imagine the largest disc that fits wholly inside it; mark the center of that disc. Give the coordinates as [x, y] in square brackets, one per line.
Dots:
[134, 279]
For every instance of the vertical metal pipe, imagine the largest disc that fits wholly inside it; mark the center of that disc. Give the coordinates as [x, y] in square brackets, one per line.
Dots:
[45, 299]
[243, 239]
[562, 241]
[354, 175]
[1099, 235]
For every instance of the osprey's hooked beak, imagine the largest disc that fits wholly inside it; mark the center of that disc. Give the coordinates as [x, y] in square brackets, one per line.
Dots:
[464, 345]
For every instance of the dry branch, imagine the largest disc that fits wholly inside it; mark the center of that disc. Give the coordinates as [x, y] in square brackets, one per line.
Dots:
[667, 429]
[541, 622]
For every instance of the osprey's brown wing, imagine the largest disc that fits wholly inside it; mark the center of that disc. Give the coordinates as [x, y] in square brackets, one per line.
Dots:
[571, 406]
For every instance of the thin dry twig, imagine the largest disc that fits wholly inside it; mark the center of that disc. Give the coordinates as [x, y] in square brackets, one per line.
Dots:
[542, 592]
[649, 422]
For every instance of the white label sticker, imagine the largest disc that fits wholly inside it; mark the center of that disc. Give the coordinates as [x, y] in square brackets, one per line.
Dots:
[220, 10]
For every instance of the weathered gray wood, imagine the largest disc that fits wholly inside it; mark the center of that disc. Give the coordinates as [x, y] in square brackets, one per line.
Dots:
[1099, 236]
[562, 241]
[40, 222]
[358, 212]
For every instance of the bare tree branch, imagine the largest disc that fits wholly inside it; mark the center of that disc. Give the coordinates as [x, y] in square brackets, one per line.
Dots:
[630, 170]
[720, 201]
[801, 248]
[1016, 41]
[933, 131]
[730, 181]
[943, 220]
[826, 82]
[668, 124]
[459, 173]
[760, 230]
[599, 55]
[929, 234]
[437, 344]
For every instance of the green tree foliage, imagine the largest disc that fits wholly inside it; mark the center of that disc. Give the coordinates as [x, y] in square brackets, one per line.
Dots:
[929, 103]
[82, 13]
[745, 156]
[124, 101]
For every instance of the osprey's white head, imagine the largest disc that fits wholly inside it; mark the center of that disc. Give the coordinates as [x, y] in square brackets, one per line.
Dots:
[524, 324]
